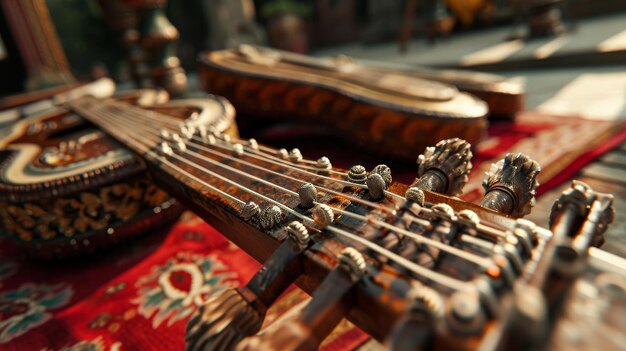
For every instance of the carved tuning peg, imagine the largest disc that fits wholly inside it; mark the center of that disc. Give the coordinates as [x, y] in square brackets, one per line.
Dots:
[444, 168]
[320, 316]
[510, 185]
[236, 313]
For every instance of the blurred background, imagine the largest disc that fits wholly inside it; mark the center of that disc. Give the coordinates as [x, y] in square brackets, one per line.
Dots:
[106, 37]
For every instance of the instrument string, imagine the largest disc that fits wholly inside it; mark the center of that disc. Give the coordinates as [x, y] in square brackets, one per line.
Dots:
[490, 231]
[146, 150]
[175, 125]
[493, 230]
[286, 176]
[418, 238]
[384, 224]
[427, 273]
[478, 260]
[269, 155]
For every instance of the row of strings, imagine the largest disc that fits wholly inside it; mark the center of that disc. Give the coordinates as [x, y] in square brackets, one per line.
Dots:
[144, 130]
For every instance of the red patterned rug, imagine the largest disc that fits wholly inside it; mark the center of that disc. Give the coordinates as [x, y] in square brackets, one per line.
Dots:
[135, 297]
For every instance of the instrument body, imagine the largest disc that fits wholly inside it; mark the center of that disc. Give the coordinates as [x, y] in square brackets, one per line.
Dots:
[388, 113]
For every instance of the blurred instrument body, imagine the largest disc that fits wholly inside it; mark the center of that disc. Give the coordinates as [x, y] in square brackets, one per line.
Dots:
[382, 110]
[66, 188]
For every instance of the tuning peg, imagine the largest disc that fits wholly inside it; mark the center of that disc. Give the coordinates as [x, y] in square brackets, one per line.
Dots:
[320, 316]
[376, 186]
[510, 185]
[444, 168]
[234, 314]
[270, 217]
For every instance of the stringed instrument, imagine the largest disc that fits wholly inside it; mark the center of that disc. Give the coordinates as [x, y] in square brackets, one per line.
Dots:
[413, 266]
[381, 110]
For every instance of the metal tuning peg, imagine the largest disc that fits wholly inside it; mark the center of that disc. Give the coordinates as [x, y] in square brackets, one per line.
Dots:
[233, 314]
[306, 330]
[510, 185]
[444, 168]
